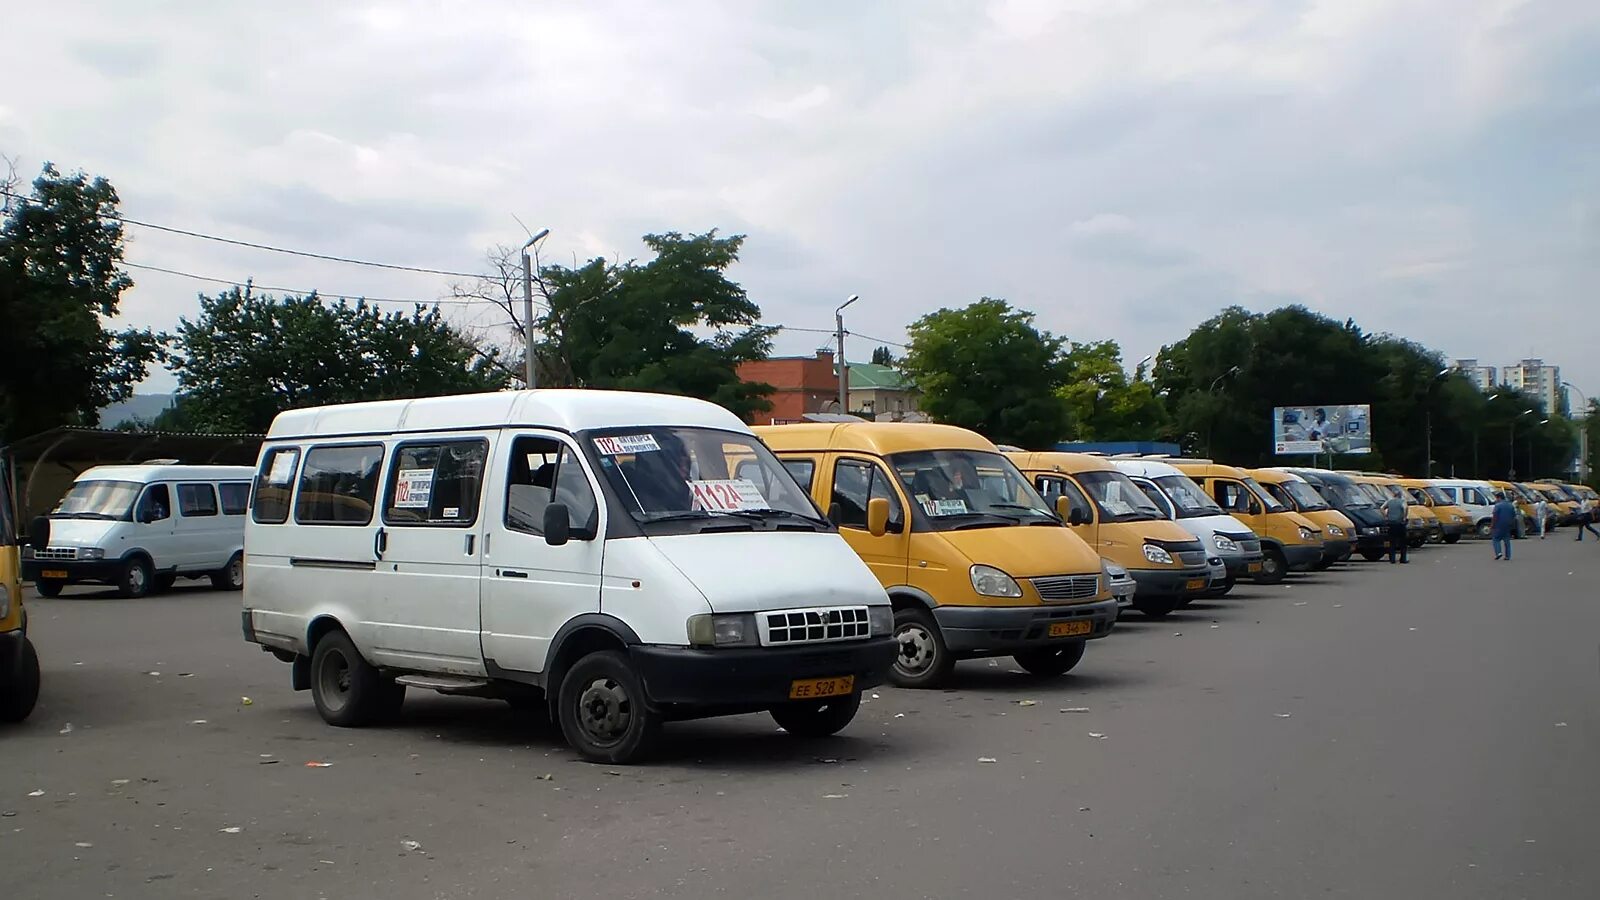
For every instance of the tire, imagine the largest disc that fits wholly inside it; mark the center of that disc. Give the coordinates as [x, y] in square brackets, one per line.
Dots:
[1452, 538]
[49, 588]
[1274, 567]
[1322, 565]
[924, 660]
[1416, 543]
[348, 691]
[817, 718]
[1485, 529]
[164, 582]
[1372, 555]
[1223, 589]
[135, 580]
[1156, 608]
[1052, 661]
[17, 697]
[603, 711]
[231, 576]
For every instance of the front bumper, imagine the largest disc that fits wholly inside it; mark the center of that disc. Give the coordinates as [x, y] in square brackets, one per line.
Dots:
[1001, 630]
[1186, 582]
[77, 570]
[1335, 550]
[755, 677]
[1243, 565]
[1123, 590]
[1372, 537]
[1300, 557]
[1455, 529]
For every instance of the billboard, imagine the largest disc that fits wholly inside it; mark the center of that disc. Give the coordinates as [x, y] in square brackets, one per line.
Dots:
[1321, 429]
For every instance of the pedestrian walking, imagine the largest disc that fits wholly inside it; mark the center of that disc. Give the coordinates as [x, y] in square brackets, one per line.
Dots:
[1502, 522]
[1394, 516]
[1587, 520]
[1541, 512]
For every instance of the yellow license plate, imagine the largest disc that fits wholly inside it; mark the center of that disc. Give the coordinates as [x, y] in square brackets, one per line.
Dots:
[53, 573]
[1069, 629]
[1195, 584]
[1253, 567]
[812, 688]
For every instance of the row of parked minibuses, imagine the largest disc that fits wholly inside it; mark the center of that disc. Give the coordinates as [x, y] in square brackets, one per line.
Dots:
[619, 560]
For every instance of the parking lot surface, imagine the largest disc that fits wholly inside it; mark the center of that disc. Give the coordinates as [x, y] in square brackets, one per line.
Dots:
[1375, 731]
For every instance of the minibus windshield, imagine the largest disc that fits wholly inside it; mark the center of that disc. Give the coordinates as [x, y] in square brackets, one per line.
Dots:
[98, 500]
[1373, 492]
[1305, 496]
[969, 489]
[670, 473]
[1440, 497]
[1187, 498]
[1346, 494]
[1267, 500]
[1118, 498]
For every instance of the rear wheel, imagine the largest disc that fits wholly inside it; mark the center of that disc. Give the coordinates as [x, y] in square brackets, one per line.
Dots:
[1485, 528]
[49, 588]
[1049, 661]
[349, 691]
[603, 711]
[924, 660]
[1274, 567]
[21, 692]
[231, 576]
[135, 580]
[817, 718]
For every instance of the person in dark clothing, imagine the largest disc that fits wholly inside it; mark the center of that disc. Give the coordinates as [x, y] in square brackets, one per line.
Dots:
[1586, 523]
[1502, 522]
[1394, 516]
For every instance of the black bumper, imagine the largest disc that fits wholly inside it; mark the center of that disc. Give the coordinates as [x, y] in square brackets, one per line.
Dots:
[1243, 565]
[1455, 529]
[1000, 630]
[1335, 550]
[755, 678]
[1173, 582]
[100, 570]
[1300, 557]
[1378, 541]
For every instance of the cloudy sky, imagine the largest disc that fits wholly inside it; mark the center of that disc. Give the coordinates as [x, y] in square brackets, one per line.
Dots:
[1124, 168]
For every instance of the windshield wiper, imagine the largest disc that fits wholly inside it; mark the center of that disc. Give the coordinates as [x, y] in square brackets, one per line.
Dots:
[767, 511]
[677, 516]
[1032, 509]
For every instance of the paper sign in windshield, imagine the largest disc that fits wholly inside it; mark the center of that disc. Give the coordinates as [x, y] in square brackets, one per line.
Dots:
[727, 495]
[941, 507]
[282, 468]
[413, 488]
[626, 443]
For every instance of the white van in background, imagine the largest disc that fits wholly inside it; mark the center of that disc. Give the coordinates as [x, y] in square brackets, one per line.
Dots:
[139, 528]
[1476, 497]
[624, 559]
[1184, 502]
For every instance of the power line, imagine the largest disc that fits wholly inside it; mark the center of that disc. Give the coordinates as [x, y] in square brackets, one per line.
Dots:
[284, 290]
[238, 243]
[878, 340]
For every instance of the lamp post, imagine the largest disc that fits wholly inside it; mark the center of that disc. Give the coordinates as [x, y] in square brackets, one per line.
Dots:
[844, 370]
[1511, 446]
[1211, 426]
[1427, 414]
[1583, 435]
[527, 308]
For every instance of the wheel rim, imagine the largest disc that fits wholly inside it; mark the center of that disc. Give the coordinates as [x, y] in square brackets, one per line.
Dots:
[236, 573]
[1271, 567]
[604, 711]
[136, 579]
[917, 649]
[333, 680]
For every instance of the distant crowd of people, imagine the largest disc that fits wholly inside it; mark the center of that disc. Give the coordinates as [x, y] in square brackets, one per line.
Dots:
[1505, 522]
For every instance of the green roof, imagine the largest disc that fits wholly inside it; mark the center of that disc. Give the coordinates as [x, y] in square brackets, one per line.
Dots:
[867, 376]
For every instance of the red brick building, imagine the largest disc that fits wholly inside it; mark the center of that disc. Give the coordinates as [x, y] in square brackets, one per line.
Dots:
[803, 384]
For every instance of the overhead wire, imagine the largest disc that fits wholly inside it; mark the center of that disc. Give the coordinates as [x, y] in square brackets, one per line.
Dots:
[454, 301]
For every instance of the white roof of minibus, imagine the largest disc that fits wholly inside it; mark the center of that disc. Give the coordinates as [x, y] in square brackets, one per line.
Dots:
[144, 474]
[567, 410]
[1149, 468]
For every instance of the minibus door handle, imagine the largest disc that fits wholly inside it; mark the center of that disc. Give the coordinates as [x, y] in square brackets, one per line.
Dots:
[470, 542]
[380, 543]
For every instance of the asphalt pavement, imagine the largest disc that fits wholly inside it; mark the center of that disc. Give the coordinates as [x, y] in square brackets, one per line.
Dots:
[1376, 731]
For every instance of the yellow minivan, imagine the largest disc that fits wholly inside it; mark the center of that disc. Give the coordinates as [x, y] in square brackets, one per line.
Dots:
[19, 664]
[1563, 508]
[1122, 524]
[1518, 497]
[1381, 488]
[1296, 493]
[1453, 520]
[1289, 541]
[975, 561]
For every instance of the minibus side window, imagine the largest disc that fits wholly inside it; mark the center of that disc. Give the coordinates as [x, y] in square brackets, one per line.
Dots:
[802, 471]
[1052, 487]
[274, 484]
[235, 497]
[1474, 497]
[339, 485]
[1232, 496]
[155, 505]
[196, 500]
[1156, 497]
[543, 470]
[856, 482]
[1278, 493]
[436, 483]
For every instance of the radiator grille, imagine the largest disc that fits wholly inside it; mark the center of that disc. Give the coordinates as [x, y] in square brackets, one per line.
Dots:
[813, 626]
[1067, 587]
[56, 553]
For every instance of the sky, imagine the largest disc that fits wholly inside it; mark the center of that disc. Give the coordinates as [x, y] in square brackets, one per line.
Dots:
[1123, 168]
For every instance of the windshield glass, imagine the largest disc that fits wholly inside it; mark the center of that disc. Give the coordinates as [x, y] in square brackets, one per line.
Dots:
[98, 500]
[1440, 497]
[1372, 491]
[668, 472]
[1417, 496]
[1187, 497]
[1118, 498]
[969, 488]
[1305, 496]
[1266, 499]
[1347, 494]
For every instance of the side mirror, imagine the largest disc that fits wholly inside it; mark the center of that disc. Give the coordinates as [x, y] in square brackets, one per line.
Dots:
[835, 513]
[877, 516]
[557, 524]
[147, 514]
[1255, 508]
[1063, 508]
[1077, 516]
[39, 532]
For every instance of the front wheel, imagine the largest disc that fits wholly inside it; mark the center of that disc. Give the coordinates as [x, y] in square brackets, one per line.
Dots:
[135, 580]
[49, 588]
[1274, 567]
[1049, 661]
[1416, 543]
[1485, 529]
[1452, 538]
[18, 696]
[817, 718]
[349, 691]
[924, 660]
[1372, 555]
[231, 576]
[603, 711]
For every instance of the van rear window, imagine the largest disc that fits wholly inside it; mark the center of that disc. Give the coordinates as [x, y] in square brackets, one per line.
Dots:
[338, 485]
[274, 484]
[235, 497]
[436, 484]
[195, 500]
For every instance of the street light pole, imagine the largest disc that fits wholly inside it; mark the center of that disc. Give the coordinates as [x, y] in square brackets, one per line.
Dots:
[844, 369]
[1211, 424]
[1531, 469]
[1427, 418]
[1511, 446]
[1583, 435]
[527, 309]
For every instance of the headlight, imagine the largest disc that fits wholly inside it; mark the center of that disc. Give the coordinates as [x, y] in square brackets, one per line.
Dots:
[1335, 531]
[1157, 555]
[1307, 534]
[881, 618]
[991, 582]
[1224, 544]
[91, 553]
[1417, 522]
[722, 631]
[5, 602]
[1372, 530]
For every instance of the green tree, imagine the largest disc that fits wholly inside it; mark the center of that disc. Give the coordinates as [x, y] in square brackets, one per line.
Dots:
[248, 357]
[59, 284]
[987, 368]
[882, 356]
[676, 324]
[1105, 404]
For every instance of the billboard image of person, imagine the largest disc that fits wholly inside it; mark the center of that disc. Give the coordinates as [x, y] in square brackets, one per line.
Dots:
[1321, 429]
